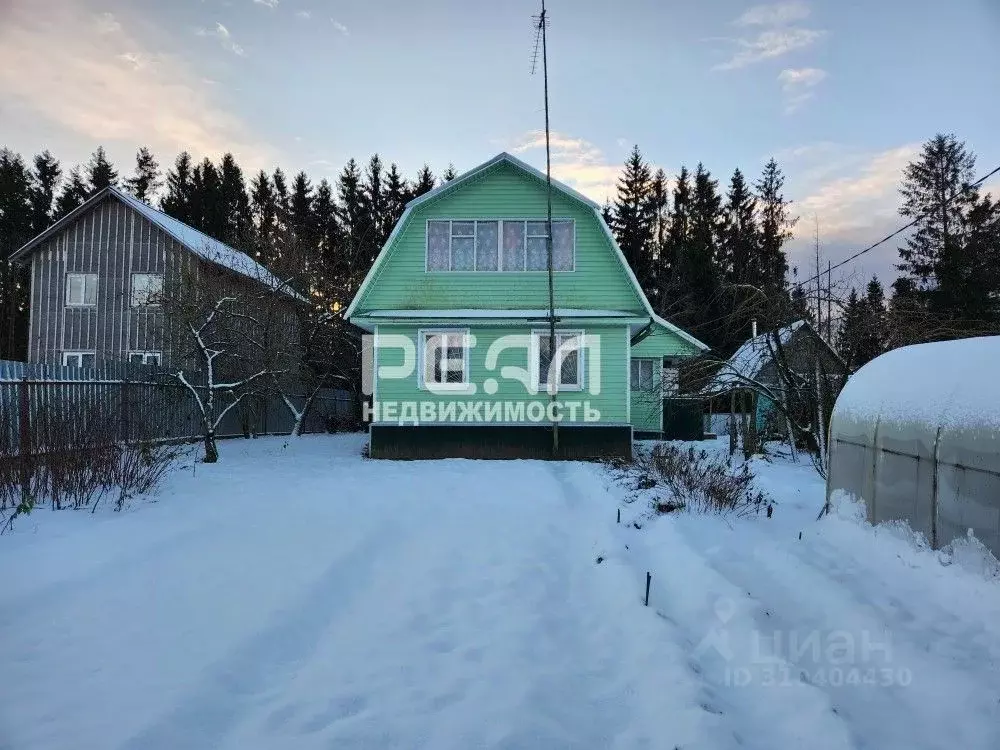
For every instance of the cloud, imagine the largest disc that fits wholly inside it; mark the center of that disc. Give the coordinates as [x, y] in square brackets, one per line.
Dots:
[305, 15]
[855, 197]
[137, 61]
[340, 27]
[221, 33]
[575, 161]
[267, 3]
[769, 44]
[106, 23]
[798, 85]
[117, 90]
[777, 14]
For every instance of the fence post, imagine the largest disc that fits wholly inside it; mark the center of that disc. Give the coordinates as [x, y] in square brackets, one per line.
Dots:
[124, 405]
[24, 438]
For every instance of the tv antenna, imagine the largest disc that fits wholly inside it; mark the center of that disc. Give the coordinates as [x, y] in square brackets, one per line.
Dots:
[555, 370]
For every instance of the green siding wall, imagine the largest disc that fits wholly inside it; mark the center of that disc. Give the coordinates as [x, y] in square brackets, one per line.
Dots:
[503, 192]
[662, 342]
[611, 401]
[647, 406]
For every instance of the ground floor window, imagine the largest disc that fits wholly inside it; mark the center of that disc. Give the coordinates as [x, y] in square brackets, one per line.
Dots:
[445, 355]
[567, 370]
[641, 374]
[144, 358]
[85, 360]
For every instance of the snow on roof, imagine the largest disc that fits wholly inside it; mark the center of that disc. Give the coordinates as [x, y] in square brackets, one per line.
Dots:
[206, 247]
[752, 356]
[481, 313]
[945, 383]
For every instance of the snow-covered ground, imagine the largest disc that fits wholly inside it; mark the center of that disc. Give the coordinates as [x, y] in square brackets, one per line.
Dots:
[298, 596]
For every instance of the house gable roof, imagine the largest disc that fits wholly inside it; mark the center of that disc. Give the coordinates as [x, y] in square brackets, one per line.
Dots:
[534, 174]
[756, 353]
[199, 243]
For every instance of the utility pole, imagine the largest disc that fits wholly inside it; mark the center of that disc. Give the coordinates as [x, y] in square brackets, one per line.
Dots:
[819, 284]
[554, 369]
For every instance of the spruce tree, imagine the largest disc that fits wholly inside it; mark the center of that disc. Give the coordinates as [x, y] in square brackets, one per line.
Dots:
[100, 172]
[281, 207]
[262, 212]
[350, 268]
[45, 180]
[397, 194]
[634, 218]
[207, 209]
[776, 223]
[72, 195]
[327, 229]
[678, 238]
[301, 219]
[237, 225]
[740, 236]
[744, 296]
[177, 201]
[374, 232]
[449, 174]
[146, 181]
[15, 230]
[424, 182]
[939, 270]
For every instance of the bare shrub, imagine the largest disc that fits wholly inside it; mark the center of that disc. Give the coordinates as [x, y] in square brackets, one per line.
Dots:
[704, 483]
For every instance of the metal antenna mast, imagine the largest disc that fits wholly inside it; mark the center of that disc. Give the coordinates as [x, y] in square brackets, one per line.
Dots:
[555, 369]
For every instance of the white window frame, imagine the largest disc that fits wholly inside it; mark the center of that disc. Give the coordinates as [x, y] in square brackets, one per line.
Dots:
[640, 361]
[466, 340]
[156, 295]
[500, 225]
[88, 280]
[146, 355]
[535, 356]
[79, 355]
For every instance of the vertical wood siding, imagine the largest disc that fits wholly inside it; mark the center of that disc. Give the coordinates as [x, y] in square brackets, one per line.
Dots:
[112, 241]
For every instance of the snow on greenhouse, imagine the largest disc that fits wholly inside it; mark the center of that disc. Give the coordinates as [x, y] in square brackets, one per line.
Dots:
[915, 434]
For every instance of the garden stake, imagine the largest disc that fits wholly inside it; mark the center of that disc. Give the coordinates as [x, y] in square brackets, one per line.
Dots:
[648, 579]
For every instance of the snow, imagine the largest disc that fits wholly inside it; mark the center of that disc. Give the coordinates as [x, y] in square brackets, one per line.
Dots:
[498, 313]
[948, 383]
[297, 595]
[752, 356]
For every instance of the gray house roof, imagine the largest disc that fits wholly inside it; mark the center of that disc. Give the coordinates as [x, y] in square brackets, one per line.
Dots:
[200, 244]
[754, 355]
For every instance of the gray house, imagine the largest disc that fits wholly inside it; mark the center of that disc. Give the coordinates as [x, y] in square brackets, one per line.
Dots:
[97, 275]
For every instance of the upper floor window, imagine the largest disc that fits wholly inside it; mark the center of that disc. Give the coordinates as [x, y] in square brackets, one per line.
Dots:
[499, 245]
[81, 289]
[147, 288]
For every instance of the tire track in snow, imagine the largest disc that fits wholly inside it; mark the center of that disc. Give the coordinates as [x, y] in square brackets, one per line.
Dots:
[804, 600]
[226, 695]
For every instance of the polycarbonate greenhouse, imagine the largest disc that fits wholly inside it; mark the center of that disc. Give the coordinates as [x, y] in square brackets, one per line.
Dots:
[915, 434]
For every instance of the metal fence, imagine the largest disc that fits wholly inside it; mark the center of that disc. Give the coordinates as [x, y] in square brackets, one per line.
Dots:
[137, 402]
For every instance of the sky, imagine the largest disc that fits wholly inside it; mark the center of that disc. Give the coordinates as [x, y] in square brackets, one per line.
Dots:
[841, 92]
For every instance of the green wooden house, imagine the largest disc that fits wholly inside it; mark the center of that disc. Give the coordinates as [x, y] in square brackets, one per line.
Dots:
[457, 305]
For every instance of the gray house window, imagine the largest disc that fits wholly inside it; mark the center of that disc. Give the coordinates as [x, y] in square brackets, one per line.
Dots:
[146, 289]
[81, 289]
[642, 374]
[144, 358]
[79, 359]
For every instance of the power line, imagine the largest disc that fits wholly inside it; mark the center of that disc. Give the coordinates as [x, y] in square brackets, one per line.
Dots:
[899, 231]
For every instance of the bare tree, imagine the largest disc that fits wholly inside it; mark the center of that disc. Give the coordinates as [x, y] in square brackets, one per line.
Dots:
[225, 341]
